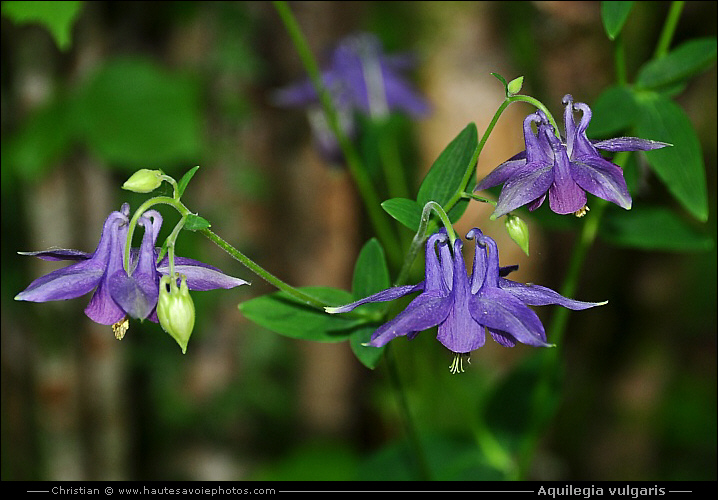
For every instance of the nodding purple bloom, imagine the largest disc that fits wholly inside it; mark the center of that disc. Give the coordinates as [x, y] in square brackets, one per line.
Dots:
[119, 295]
[563, 169]
[464, 307]
[360, 79]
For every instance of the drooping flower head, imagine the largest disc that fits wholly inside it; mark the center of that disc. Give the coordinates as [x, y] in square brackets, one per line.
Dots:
[563, 169]
[464, 307]
[360, 79]
[117, 293]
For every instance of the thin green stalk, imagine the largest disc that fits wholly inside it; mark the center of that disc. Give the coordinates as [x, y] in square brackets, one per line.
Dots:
[372, 203]
[669, 29]
[261, 272]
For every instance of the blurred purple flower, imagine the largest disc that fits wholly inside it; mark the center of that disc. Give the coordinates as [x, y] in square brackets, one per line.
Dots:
[117, 294]
[464, 306]
[563, 169]
[360, 79]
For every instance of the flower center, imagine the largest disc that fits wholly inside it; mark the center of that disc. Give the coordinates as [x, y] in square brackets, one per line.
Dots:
[582, 211]
[121, 327]
[457, 365]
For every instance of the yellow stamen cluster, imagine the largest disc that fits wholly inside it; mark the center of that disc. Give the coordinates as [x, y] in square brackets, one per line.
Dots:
[120, 328]
[581, 212]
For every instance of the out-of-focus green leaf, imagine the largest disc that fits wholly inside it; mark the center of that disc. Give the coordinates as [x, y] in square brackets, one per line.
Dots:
[680, 167]
[614, 111]
[511, 411]
[444, 178]
[133, 113]
[42, 139]
[283, 314]
[371, 275]
[58, 17]
[613, 16]
[685, 61]
[448, 459]
[652, 228]
[406, 211]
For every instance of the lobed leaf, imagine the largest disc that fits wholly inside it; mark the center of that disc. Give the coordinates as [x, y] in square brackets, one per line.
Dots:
[683, 62]
[613, 16]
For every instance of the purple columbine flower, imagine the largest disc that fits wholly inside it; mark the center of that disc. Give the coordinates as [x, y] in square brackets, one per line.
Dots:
[563, 169]
[119, 295]
[360, 79]
[464, 307]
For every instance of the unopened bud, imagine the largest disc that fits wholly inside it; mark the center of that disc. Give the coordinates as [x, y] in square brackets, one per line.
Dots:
[518, 231]
[175, 310]
[143, 181]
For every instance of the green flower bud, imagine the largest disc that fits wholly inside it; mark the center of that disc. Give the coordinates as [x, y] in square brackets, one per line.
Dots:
[514, 86]
[518, 231]
[175, 310]
[143, 181]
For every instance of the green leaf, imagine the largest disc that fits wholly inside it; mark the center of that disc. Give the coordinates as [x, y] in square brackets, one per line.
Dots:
[613, 16]
[133, 113]
[196, 223]
[57, 17]
[445, 177]
[512, 411]
[652, 228]
[406, 211]
[182, 184]
[42, 139]
[285, 315]
[368, 356]
[685, 61]
[371, 275]
[614, 111]
[681, 166]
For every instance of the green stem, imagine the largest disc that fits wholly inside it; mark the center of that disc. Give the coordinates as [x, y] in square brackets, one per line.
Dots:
[144, 207]
[262, 273]
[372, 203]
[413, 437]
[619, 55]
[669, 29]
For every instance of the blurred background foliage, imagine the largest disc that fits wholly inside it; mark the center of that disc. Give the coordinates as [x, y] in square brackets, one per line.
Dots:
[96, 90]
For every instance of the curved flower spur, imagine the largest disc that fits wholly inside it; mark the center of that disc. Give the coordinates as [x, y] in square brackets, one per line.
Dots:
[563, 169]
[464, 307]
[118, 294]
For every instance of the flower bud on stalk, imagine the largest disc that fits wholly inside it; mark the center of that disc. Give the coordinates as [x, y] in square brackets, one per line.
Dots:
[175, 310]
[143, 181]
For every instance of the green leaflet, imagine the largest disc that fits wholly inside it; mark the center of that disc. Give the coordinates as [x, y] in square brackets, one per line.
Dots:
[444, 178]
[613, 16]
[680, 167]
[285, 315]
[652, 228]
[406, 211]
[683, 62]
[371, 275]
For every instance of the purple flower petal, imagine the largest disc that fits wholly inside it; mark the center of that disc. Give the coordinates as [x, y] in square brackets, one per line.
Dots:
[524, 188]
[629, 144]
[459, 332]
[603, 179]
[536, 295]
[499, 310]
[425, 311]
[383, 296]
[58, 254]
